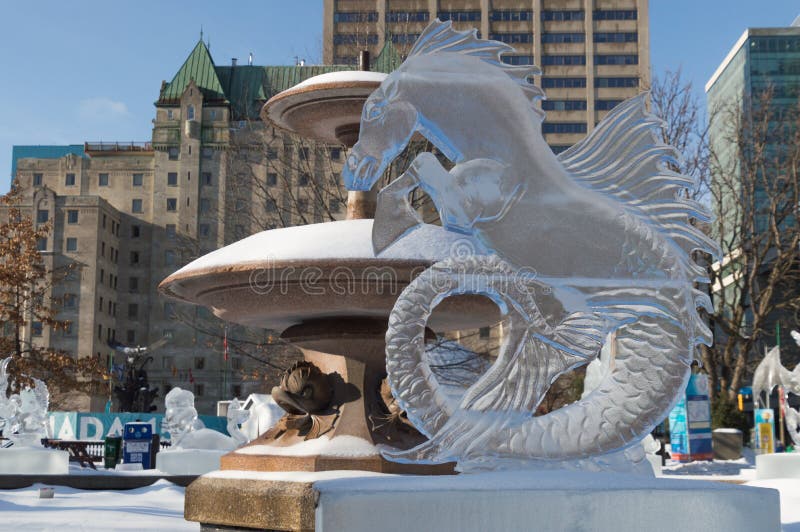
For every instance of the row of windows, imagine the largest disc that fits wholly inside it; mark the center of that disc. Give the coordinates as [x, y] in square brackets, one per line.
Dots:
[628, 36]
[564, 105]
[459, 16]
[304, 153]
[565, 37]
[568, 83]
[775, 44]
[511, 16]
[356, 16]
[512, 38]
[606, 105]
[407, 16]
[620, 59]
[615, 14]
[353, 38]
[564, 127]
[550, 60]
[404, 38]
[517, 59]
[562, 15]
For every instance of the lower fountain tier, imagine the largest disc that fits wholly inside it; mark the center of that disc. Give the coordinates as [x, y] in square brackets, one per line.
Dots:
[361, 416]
[284, 277]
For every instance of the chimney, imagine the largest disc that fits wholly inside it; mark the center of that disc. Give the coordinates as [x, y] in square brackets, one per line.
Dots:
[363, 60]
[250, 60]
[233, 61]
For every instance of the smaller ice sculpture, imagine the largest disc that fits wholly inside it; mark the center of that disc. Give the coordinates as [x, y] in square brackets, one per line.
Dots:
[24, 414]
[188, 432]
[771, 373]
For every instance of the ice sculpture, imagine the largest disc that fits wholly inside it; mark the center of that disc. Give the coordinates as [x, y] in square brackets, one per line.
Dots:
[592, 241]
[189, 433]
[24, 414]
[771, 373]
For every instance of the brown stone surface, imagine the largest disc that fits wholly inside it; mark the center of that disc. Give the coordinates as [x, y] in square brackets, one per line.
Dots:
[258, 504]
[264, 462]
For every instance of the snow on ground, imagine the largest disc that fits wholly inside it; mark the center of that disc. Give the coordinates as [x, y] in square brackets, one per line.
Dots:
[789, 489]
[154, 508]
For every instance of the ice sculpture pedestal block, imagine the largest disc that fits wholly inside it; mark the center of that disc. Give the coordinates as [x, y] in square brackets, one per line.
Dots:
[33, 461]
[778, 465]
[543, 500]
[189, 461]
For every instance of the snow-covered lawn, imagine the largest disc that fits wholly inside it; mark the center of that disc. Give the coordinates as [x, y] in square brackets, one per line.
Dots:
[155, 507]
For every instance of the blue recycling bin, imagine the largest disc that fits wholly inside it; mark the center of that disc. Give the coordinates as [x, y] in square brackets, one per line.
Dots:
[137, 444]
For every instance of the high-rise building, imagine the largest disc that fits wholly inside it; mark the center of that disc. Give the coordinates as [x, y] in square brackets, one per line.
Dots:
[593, 53]
[129, 214]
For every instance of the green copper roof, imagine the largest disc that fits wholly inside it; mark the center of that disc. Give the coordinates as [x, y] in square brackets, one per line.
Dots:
[388, 60]
[199, 66]
[247, 87]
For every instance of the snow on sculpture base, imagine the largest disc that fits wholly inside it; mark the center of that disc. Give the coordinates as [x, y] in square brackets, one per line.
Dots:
[33, 461]
[523, 500]
[778, 465]
[189, 461]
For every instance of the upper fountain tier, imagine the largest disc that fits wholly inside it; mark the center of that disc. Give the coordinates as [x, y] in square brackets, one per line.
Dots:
[325, 108]
[284, 277]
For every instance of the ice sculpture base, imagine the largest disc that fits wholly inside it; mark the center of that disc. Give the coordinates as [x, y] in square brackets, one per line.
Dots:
[33, 461]
[189, 461]
[778, 465]
[542, 500]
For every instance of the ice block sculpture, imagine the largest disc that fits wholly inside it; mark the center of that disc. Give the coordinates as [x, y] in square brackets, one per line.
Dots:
[23, 415]
[771, 373]
[189, 433]
[594, 240]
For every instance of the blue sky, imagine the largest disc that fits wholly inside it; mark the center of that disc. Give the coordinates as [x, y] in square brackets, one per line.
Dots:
[91, 70]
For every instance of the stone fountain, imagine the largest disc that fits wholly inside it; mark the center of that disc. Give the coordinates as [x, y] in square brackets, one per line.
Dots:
[323, 287]
[573, 248]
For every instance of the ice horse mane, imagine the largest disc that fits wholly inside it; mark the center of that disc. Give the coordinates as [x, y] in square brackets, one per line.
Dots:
[440, 37]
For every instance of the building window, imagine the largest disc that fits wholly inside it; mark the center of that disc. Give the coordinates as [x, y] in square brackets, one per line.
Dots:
[355, 38]
[272, 153]
[170, 231]
[302, 205]
[100, 304]
[36, 328]
[72, 244]
[205, 205]
[72, 216]
[102, 249]
[173, 152]
[170, 114]
[37, 180]
[42, 215]
[199, 362]
[334, 205]
[104, 221]
[270, 205]
[303, 180]
[560, 38]
[563, 83]
[564, 127]
[131, 337]
[615, 14]
[41, 244]
[207, 153]
[212, 114]
[616, 83]
[459, 16]
[138, 179]
[136, 231]
[133, 284]
[485, 332]
[169, 257]
[517, 59]
[236, 390]
[70, 180]
[167, 333]
[356, 16]
[303, 154]
[102, 180]
[616, 37]
[336, 153]
[606, 105]
[69, 301]
[133, 311]
[204, 230]
[67, 330]
[206, 179]
[236, 363]
[136, 206]
[190, 112]
[172, 204]
[199, 390]
[407, 16]
[511, 16]
[621, 59]
[512, 38]
[566, 60]
[272, 179]
[172, 179]
[564, 105]
[562, 15]
[134, 257]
